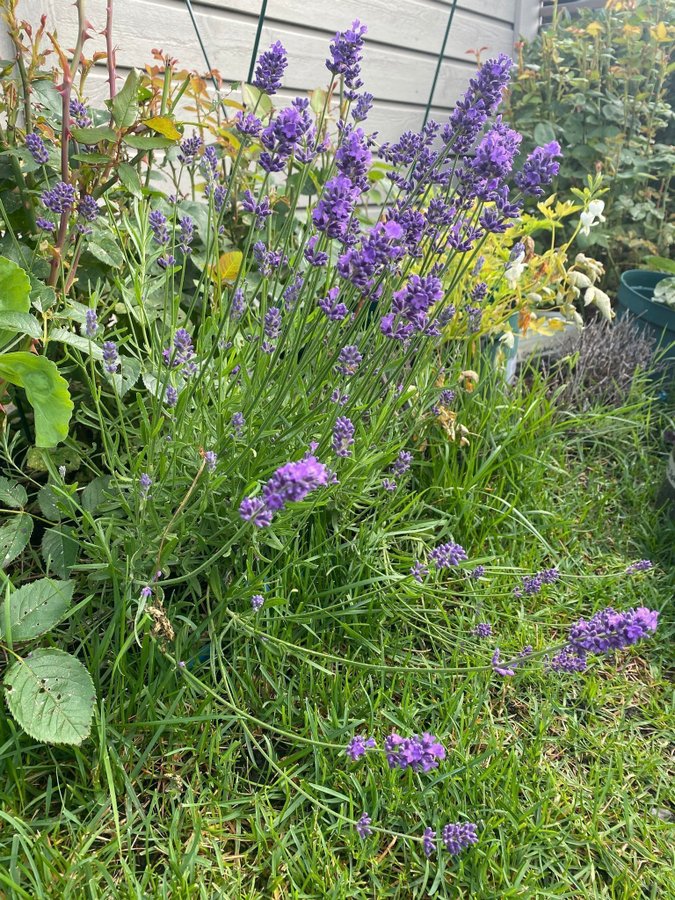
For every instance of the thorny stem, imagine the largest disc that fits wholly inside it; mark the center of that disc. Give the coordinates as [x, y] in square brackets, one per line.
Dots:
[111, 55]
[69, 72]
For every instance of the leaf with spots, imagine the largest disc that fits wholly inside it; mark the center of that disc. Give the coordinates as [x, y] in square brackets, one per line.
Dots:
[51, 696]
[35, 608]
[14, 535]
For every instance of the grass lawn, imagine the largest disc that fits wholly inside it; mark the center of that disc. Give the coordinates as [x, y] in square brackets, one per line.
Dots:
[227, 776]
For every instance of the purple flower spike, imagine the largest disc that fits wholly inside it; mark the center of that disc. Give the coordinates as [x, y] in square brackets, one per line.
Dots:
[358, 746]
[642, 565]
[429, 842]
[37, 149]
[270, 68]
[346, 51]
[111, 359]
[459, 836]
[483, 629]
[539, 170]
[418, 571]
[506, 671]
[417, 753]
[60, 198]
[349, 360]
[257, 601]
[363, 826]
[446, 555]
[343, 436]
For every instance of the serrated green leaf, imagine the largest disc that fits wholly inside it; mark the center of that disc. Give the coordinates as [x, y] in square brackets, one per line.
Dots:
[48, 501]
[47, 393]
[14, 295]
[95, 493]
[12, 495]
[129, 178]
[124, 106]
[59, 550]
[51, 696]
[20, 323]
[36, 608]
[94, 135]
[14, 535]
[104, 247]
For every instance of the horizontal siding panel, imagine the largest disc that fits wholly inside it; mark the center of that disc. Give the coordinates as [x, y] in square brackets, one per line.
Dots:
[506, 10]
[388, 119]
[413, 24]
[390, 74]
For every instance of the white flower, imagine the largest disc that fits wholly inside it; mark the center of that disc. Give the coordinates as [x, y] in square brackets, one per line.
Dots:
[592, 216]
[601, 300]
[514, 270]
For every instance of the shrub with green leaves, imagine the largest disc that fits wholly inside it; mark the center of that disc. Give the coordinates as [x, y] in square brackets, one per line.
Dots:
[601, 84]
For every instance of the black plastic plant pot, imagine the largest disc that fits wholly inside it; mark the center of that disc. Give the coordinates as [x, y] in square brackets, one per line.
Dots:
[656, 320]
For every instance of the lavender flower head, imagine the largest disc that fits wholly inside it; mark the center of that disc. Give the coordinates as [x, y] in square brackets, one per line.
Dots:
[429, 842]
[458, 836]
[290, 483]
[270, 68]
[349, 360]
[343, 436]
[483, 629]
[362, 106]
[189, 149]
[158, 226]
[642, 565]
[90, 323]
[402, 463]
[346, 51]
[358, 746]
[611, 630]
[363, 826]
[446, 555]
[417, 753]
[60, 198]
[539, 169]
[111, 359]
[257, 601]
[79, 114]
[418, 571]
[211, 460]
[37, 149]
[145, 483]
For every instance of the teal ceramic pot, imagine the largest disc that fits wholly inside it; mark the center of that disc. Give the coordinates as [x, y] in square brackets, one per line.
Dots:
[655, 319]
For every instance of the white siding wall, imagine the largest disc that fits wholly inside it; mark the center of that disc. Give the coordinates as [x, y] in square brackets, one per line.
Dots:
[404, 39]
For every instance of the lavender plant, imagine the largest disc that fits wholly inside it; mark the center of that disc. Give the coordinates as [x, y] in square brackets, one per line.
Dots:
[251, 374]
